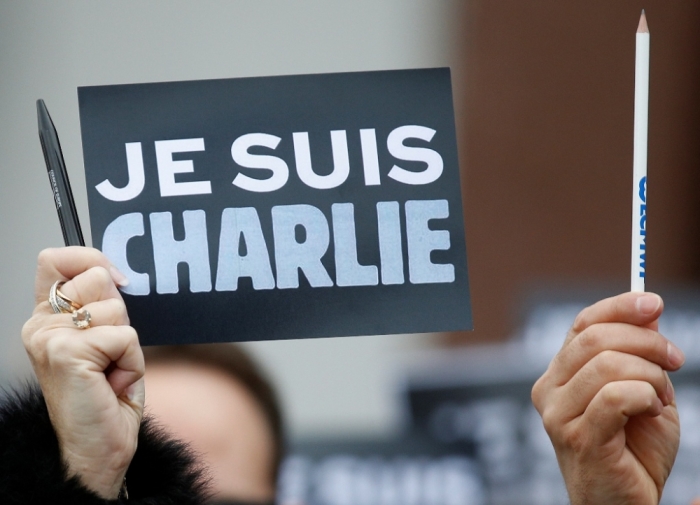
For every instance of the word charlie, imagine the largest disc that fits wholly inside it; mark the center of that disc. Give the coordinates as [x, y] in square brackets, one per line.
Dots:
[243, 250]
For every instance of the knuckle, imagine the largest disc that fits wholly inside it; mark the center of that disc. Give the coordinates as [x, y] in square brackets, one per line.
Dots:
[141, 367]
[130, 334]
[649, 400]
[45, 257]
[121, 311]
[591, 339]
[35, 340]
[541, 391]
[550, 421]
[100, 274]
[611, 396]
[536, 394]
[32, 344]
[581, 322]
[116, 307]
[575, 439]
[28, 331]
[113, 313]
[607, 363]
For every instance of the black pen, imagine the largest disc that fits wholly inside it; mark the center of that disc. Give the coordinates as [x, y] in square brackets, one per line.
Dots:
[58, 177]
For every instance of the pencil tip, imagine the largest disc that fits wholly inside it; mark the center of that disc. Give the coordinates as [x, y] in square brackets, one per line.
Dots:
[643, 27]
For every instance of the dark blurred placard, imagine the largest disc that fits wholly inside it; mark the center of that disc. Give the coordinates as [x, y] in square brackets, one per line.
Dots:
[409, 470]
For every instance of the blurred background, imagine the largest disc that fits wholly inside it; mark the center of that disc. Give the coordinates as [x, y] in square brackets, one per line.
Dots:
[543, 95]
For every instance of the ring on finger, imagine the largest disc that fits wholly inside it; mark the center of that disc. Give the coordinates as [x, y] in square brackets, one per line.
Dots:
[82, 318]
[60, 303]
[69, 302]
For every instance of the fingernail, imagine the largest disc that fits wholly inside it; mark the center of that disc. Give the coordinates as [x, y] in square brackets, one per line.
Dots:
[670, 393]
[675, 355]
[648, 304]
[118, 277]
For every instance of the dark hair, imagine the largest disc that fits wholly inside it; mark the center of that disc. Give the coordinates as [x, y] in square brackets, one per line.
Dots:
[232, 360]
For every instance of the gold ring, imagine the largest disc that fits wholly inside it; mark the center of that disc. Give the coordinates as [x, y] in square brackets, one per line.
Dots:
[63, 298]
[58, 307]
[59, 302]
[82, 318]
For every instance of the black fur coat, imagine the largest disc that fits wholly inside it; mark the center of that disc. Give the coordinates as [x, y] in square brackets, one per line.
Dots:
[32, 473]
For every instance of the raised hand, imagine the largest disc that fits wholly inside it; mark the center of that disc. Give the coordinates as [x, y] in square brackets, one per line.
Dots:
[608, 405]
[91, 378]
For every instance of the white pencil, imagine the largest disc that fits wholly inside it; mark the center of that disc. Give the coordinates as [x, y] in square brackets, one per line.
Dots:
[641, 121]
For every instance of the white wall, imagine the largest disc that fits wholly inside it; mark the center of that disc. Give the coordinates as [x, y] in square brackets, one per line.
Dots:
[49, 48]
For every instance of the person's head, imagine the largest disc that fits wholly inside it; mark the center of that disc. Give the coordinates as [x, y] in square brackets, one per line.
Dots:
[215, 398]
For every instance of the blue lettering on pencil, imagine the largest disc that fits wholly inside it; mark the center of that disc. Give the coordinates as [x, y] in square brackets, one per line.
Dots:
[642, 225]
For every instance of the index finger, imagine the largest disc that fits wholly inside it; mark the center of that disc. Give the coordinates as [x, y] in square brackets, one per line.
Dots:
[618, 337]
[639, 309]
[64, 263]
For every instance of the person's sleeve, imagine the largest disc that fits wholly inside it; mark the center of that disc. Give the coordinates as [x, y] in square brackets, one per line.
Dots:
[163, 472]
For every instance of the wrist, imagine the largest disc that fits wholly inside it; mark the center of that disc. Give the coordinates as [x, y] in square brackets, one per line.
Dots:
[104, 480]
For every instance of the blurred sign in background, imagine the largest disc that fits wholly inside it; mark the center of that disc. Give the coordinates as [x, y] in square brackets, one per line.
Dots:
[471, 435]
[544, 103]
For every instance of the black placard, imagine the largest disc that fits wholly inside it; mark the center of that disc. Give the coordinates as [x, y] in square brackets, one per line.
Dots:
[280, 207]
